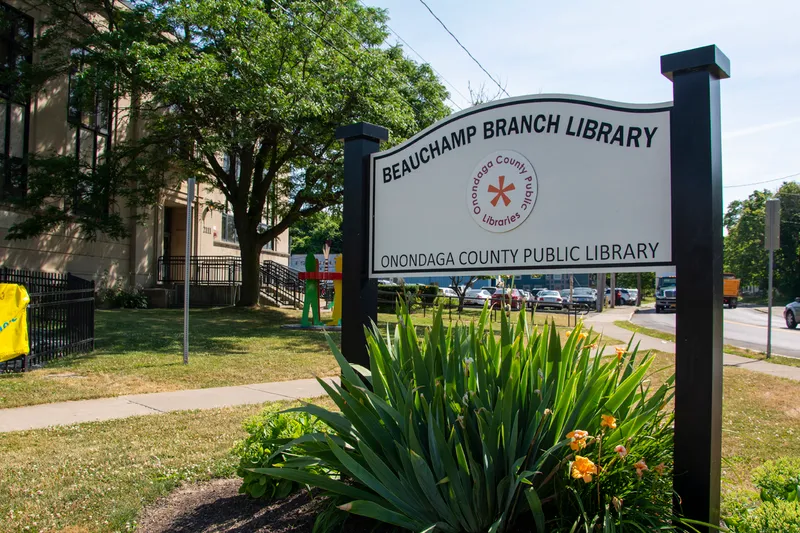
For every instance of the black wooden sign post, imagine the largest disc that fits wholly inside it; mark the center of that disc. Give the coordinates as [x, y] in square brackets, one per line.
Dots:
[697, 251]
[360, 302]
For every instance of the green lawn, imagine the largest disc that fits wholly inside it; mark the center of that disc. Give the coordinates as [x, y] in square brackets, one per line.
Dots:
[96, 477]
[141, 351]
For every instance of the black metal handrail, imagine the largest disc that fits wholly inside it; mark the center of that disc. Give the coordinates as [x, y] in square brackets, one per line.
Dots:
[203, 269]
[281, 283]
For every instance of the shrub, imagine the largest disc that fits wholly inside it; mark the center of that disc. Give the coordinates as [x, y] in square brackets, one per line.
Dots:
[775, 508]
[118, 295]
[768, 517]
[460, 431]
[266, 433]
[779, 479]
[411, 295]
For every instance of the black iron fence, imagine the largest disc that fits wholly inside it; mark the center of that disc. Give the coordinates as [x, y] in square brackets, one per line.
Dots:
[203, 269]
[282, 284]
[60, 316]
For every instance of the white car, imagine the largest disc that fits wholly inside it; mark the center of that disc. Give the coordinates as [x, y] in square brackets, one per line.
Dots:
[477, 297]
[551, 299]
[447, 292]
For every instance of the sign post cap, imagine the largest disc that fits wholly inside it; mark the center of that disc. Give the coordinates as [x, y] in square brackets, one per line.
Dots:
[362, 130]
[708, 58]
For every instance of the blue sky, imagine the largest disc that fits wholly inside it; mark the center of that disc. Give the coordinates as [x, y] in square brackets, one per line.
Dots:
[611, 50]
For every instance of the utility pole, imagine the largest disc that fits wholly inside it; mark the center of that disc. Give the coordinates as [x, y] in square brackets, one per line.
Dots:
[638, 289]
[601, 291]
[613, 290]
[772, 240]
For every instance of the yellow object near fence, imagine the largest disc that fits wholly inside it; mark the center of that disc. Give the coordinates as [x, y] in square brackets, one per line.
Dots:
[14, 301]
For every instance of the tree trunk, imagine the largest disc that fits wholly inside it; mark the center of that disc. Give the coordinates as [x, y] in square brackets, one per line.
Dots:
[251, 273]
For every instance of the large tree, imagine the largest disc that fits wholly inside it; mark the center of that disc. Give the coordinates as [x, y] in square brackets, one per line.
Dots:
[745, 255]
[244, 95]
[311, 233]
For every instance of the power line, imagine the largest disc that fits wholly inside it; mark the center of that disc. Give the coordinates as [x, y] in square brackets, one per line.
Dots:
[362, 45]
[422, 58]
[760, 182]
[464, 47]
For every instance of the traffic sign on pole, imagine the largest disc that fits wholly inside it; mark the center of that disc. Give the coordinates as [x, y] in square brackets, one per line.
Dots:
[772, 241]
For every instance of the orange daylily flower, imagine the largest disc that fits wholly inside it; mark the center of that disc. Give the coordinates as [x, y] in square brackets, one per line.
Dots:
[582, 336]
[577, 439]
[608, 421]
[640, 467]
[583, 469]
[567, 333]
[620, 353]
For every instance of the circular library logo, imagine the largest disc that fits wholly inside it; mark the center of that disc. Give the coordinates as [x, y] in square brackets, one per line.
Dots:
[502, 191]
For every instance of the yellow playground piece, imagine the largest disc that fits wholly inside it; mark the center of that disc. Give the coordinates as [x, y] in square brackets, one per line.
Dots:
[14, 301]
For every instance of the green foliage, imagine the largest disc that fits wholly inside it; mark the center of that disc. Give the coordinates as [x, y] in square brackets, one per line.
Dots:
[460, 431]
[779, 479]
[120, 295]
[266, 433]
[744, 244]
[412, 295]
[310, 233]
[628, 281]
[206, 82]
[775, 509]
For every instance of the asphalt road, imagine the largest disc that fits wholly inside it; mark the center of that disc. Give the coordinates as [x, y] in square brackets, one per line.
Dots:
[743, 327]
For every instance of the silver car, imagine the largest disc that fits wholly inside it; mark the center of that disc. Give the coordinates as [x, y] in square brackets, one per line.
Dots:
[791, 313]
[477, 297]
[549, 299]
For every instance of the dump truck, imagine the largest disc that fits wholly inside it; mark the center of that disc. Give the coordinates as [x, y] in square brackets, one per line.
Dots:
[730, 290]
[666, 291]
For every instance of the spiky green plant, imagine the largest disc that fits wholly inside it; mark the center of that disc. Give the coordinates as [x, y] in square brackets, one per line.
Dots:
[460, 430]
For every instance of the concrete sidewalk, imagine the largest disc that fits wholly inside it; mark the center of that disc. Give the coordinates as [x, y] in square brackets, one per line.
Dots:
[66, 413]
[604, 323]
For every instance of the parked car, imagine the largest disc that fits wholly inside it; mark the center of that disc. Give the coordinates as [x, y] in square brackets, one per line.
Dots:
[565, 297]
[791, 313]
[491, 290]
[530, 299]
[477, 297]
[583, 297]
[635, 294]
[549, 299]
[510, 297]
[623, 296]
[447, 292]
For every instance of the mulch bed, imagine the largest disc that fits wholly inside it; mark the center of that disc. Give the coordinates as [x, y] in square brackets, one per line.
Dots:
[217, 507]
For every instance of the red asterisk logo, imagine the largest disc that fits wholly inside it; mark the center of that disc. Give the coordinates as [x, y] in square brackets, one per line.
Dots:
[501, 192]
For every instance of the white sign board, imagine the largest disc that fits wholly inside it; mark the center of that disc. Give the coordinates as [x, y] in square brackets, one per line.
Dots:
[530, 185]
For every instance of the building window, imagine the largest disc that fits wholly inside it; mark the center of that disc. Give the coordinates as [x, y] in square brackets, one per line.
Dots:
[89, 115]
[228, 227]
[16, 41]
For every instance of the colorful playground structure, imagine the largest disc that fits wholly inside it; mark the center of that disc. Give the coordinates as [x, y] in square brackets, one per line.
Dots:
[312, 277]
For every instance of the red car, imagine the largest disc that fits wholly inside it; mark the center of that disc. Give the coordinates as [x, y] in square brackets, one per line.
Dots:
[510, 297]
